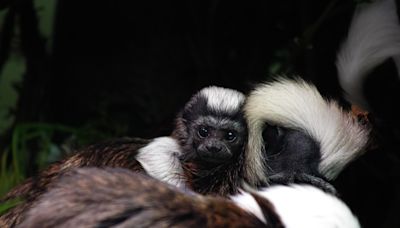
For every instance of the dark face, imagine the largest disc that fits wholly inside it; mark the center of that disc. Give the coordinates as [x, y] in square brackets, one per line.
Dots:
[216, 144]
[211, 132]
[290, 152]
[216, 140]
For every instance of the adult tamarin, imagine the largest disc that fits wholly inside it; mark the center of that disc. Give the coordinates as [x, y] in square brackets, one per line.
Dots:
[91, 197]
[301, 136]
[204, 153]
[224, 177]
[364, 49]
[308, 138]
[297, 136]
[322, 154]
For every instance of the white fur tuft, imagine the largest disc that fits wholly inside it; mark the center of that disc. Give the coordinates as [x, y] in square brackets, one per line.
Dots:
[298, 105]
[249, 204]
[374, 36]
[223, 99]
[160, 160]
[304, 206]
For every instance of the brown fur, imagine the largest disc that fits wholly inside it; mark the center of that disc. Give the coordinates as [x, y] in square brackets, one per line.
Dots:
[222, 179]
[116, 153]
[91, 197]
[268, 211]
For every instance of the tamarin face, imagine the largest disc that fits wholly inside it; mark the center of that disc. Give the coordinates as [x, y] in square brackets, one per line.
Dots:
[216, 140]
[296, 135]
[211, 127]
[204, 153]
[212, 133]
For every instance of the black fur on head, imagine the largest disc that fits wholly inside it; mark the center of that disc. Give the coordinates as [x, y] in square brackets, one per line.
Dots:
[212, 132]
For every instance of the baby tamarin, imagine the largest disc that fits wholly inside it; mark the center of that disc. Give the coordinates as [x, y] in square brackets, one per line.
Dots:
[292, 153]
[212, 133]
[204, 153]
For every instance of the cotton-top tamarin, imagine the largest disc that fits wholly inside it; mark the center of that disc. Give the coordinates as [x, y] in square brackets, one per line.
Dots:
[204, 153]
[92, 197]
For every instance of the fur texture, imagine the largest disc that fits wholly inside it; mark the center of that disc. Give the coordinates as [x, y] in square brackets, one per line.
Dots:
[222, 99]
[158, 158]
[93, 197]
[219, 111]
[116, 153]
[304, 206]
[296, 104]
[115, 197]
[373, 37]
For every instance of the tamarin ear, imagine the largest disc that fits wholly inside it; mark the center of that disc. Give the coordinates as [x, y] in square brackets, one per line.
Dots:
[180, 131]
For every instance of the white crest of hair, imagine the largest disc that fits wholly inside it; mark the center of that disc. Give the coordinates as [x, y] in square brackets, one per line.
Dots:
[160, 160]
[305, 206]
[223, 99]
[374, 36]
[247, 202]
[297, 104]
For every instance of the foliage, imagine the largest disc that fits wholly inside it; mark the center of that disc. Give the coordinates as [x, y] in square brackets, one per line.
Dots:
[9, 204]
[48, 142]
[23, 136]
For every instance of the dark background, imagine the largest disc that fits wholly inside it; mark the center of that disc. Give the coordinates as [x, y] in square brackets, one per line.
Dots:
[125, 68]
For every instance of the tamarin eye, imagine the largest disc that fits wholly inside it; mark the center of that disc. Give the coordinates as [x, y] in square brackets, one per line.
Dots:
[230, 136]
[203, 132]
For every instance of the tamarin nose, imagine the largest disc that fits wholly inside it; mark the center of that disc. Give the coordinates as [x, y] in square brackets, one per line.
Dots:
[214, 148]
